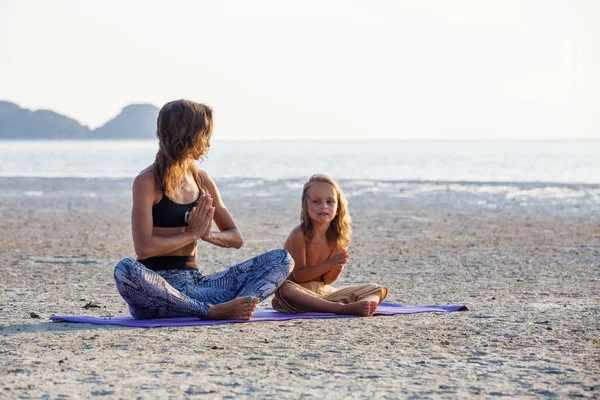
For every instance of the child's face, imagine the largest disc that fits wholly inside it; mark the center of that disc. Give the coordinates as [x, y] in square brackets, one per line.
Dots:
[321, 202]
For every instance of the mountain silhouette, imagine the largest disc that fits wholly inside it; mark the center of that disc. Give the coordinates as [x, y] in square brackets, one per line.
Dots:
[136, 121]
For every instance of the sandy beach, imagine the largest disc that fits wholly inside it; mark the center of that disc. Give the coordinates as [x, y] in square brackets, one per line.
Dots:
[530, 277]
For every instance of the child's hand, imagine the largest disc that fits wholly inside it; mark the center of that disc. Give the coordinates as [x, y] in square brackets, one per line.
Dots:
[339, 258]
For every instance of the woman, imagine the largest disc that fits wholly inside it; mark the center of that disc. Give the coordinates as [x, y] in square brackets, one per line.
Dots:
[174, 204]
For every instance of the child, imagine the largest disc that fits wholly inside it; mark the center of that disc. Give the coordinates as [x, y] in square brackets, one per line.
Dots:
[318, 246]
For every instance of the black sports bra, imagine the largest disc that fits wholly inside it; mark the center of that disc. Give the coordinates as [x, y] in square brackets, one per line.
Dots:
[168, 214]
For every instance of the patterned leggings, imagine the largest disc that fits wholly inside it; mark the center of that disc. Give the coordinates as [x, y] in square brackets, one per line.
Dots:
[177, 293]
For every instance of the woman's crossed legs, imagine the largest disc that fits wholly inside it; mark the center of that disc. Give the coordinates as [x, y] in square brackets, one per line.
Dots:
[230, 294]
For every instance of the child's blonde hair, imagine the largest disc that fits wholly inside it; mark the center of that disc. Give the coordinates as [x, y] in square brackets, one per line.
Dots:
[340, 229]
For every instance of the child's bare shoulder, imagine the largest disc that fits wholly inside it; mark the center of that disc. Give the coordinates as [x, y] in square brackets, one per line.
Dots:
[295, 239]
[296, 234]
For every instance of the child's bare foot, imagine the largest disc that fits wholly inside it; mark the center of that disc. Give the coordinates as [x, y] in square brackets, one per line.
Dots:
[362, 308]
[240, 308]
[373, 308]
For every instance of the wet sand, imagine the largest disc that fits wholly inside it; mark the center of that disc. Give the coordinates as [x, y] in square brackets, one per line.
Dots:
[531, 280]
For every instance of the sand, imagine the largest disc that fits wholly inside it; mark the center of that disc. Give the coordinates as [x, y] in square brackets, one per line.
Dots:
[530, 277]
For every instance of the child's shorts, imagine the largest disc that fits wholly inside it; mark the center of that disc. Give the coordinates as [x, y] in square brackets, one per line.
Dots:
[320, 290]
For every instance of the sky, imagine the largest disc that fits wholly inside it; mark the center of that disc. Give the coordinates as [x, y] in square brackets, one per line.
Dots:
[315, 69]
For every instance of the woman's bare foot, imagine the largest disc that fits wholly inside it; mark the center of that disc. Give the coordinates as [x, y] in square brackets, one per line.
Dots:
[373, 308]
[240, 308]
[362, 308]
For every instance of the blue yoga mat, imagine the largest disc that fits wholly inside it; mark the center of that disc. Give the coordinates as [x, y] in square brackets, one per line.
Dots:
[265, 314]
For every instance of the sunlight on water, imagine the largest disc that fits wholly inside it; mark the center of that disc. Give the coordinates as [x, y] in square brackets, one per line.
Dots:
[434, 161]
[487, 174]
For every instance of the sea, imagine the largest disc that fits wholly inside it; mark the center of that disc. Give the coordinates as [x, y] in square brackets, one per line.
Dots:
[561, 173]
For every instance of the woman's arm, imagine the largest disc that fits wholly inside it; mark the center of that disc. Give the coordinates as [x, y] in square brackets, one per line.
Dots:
[229, 235]
[145, 243]
[296, 246]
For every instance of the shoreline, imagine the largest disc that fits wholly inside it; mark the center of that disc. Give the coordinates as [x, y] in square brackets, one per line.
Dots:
[97, 194]
[522, 184]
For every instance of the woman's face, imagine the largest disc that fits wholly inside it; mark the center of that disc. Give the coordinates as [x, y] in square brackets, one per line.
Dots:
[321, 202]
[201, 149]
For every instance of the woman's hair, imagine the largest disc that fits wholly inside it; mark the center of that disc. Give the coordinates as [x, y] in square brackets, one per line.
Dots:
[340, 229]
[183, 129]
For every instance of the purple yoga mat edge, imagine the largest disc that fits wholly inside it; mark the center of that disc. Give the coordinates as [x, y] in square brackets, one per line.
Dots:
[265, 314]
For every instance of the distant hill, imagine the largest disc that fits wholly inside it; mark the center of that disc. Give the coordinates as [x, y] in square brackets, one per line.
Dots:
[136, 121]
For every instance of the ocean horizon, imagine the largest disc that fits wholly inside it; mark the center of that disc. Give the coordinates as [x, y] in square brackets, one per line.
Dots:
[509, 161]
[548, 175]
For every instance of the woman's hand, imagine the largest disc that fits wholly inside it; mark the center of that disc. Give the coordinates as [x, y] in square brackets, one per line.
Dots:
[201, 216]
